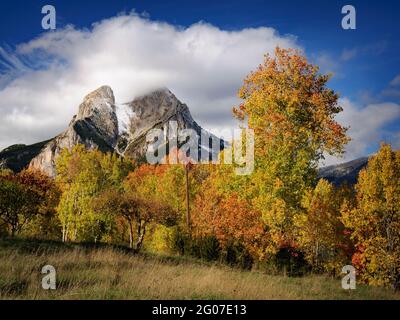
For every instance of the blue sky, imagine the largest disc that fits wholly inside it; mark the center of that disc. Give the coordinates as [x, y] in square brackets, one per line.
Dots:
[365, 62]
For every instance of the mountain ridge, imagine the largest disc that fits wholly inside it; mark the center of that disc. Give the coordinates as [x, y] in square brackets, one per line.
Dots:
[346, 172]
[103, 124]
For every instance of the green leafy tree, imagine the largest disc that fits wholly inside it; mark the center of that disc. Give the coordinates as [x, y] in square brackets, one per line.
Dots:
[82, 175]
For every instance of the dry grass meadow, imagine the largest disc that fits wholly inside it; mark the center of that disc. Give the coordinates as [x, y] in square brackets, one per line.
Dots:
[85, 272]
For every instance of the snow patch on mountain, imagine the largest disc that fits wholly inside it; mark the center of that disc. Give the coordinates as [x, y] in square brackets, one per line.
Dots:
[124, 114]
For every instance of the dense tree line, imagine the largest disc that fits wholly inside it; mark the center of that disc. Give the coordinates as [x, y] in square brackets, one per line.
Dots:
[280, 217]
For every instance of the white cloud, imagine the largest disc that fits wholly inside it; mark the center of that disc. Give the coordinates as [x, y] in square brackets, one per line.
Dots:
[396, 81]
[391, 93]
[393, 90]
[349, 54]
[328, 64]
[375, 49]
[367, 126]
[46, 78]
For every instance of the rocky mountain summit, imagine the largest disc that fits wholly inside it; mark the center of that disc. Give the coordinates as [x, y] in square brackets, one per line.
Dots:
[101, 123]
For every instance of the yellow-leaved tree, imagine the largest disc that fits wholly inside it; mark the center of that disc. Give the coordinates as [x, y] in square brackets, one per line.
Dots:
[81, 176]
[292, 112]
[321, 235]
[375, 219]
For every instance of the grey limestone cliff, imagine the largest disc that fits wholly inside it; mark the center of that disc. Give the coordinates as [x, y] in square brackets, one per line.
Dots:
[102, 124]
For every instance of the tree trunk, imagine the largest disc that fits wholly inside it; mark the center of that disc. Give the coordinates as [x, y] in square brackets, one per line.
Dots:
[65, 233]
[130, 234]
[141, 231]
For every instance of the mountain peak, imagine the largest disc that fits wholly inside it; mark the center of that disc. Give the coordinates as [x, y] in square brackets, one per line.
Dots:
[101, 100]
[160, 97]
[104, 92]
[102, 124]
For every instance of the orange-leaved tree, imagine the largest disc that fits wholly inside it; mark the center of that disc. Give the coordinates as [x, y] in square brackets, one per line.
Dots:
[23, 196]
[228, 217]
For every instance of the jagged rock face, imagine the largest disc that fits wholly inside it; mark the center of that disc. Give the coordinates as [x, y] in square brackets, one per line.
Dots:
[98, 109]
[148, 112]
[151, 110]
[102, 124]
[95, 126]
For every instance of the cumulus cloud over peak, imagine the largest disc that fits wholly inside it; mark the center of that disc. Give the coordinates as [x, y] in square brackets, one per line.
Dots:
[366, 126]
[47, 78]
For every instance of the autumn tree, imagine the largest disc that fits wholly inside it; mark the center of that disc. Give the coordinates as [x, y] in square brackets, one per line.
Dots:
[180, 183]
[82, 175]
[292, 112]
[23, 196]
[148, 202]
[375, 219]
[321, 234]
[176, 184]
[229, 218]
[137, 211]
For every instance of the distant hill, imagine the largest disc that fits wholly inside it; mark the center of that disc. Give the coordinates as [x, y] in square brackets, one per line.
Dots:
[344, 172]
[18, 156]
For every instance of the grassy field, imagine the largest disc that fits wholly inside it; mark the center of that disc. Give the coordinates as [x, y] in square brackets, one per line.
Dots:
[87, 272]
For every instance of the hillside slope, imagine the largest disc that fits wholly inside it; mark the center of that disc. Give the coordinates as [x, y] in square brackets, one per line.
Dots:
[107, 273]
